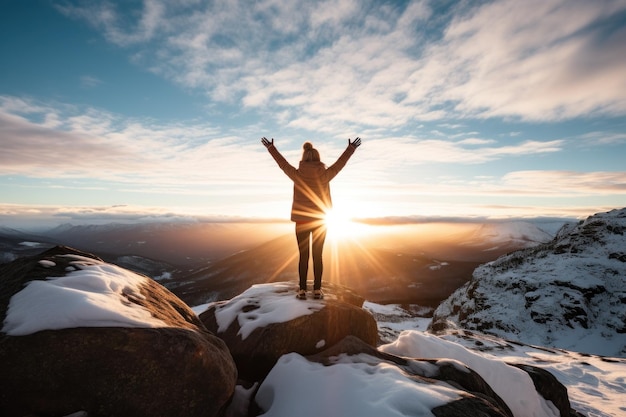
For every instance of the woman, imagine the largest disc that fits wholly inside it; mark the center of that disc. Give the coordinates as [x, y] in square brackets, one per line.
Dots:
[311, 201]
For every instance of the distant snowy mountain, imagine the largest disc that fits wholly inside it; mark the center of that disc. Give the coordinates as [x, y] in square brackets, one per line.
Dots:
[569, 293]
[183, 244]
[14, 234]
[15, 244]
[509, 234]
[7, 231]
[157, 270]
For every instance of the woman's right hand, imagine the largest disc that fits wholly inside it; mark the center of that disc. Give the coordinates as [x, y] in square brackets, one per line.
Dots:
[266, 142]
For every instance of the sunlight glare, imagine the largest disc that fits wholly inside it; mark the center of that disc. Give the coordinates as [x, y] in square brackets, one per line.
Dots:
[341, 226]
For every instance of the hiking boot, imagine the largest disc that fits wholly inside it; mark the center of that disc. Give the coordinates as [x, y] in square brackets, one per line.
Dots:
[318, 294]
[301, 295]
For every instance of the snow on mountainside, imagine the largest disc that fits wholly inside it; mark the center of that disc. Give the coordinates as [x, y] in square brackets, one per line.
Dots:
[569, 293]
[517, 234]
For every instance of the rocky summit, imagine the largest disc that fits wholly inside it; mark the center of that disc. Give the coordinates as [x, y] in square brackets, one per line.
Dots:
[282, 344]
[267, 321]
[568, 293]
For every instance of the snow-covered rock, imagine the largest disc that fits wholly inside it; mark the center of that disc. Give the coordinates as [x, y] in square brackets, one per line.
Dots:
[419, 374]
[290, 350]
[82, 335]
[568, 293]
[267, 321]
[353, 378]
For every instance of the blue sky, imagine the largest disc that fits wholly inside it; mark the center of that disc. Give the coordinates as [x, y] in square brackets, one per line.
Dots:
[135, 110]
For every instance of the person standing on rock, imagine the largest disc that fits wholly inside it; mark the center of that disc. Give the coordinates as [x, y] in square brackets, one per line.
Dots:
[311, 201]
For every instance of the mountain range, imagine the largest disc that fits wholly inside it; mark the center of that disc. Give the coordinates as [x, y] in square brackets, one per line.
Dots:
[201, 262]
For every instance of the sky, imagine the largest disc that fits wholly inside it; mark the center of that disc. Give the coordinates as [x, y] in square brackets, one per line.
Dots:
[143, 110]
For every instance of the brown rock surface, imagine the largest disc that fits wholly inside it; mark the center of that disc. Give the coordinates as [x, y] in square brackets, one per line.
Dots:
[177, 369]
[323, 323]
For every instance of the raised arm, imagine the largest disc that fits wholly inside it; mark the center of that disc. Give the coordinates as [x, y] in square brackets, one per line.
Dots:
[334, 169]
[280, 160]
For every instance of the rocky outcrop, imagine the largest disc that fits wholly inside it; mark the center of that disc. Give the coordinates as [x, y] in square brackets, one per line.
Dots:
[479, 399]
[144, 352]
[541, 295]
[421, 386]
[549, 387]
[267, 321]
[289, 346]
[82, 360]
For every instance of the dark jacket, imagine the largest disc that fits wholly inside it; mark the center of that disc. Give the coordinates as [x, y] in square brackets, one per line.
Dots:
[311, 185]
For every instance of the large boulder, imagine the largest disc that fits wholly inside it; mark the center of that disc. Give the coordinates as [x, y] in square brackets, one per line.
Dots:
[526, 389]
[419, 374]
[478, 400]
[549, 387]
[267, 321]
[82, 335]
[353, 378]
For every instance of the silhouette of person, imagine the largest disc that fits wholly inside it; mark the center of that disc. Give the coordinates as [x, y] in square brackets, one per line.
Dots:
[311, 201]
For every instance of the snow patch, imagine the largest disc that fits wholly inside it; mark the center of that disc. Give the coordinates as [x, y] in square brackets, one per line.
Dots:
[95, 295]
[30, 244]
[512, 384]
[262, 305]
[296, 386]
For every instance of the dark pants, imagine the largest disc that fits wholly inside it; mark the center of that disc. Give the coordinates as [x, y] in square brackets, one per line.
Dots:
[305, 233]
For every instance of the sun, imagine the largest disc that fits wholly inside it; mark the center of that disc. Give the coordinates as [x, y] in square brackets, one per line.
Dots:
[341, 226]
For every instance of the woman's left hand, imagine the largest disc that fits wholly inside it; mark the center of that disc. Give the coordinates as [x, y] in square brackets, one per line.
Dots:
[355, 143]
[266, 142]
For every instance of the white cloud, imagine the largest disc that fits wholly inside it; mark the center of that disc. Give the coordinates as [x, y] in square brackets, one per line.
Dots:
[534, 59]
[333, 12]
[399, 152]
[568, 183]
[153, 157]
[334, 63]
[99, 145]
[604, 138]
[91, 152]
[537, 185]
[476, 141]
[31, 149]
[116, 26]
[88, 81]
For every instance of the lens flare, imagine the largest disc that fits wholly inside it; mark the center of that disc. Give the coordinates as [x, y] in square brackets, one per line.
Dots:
[341, 226]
